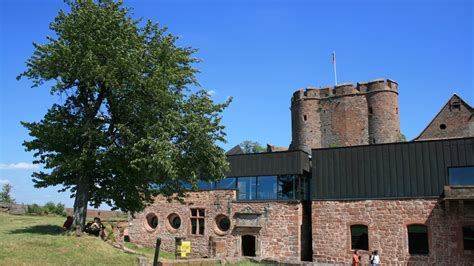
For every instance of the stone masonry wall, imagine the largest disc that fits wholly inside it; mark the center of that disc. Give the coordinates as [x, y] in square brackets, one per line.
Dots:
[456, 120]
[387, 222]
[277, 237]
[345, 115]
[142, 234]
[344, 121]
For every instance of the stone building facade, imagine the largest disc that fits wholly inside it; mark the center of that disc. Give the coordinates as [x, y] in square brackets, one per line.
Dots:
[343, 185]
[387, 224]
[345, 115]
[455, 120]
[268, 229]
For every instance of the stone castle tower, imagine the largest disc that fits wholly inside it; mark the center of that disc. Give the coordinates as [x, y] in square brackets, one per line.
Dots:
[345, 115]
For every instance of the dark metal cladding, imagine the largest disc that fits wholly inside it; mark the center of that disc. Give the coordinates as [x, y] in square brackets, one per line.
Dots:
[393, 170]
[269, 163]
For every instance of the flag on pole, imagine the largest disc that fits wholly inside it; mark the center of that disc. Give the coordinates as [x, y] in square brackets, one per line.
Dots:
[334, 66]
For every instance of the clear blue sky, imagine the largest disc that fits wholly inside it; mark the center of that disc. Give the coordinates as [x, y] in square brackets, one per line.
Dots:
[260, 53]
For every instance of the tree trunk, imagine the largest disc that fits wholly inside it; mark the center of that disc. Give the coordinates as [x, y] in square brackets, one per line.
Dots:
[80, 203]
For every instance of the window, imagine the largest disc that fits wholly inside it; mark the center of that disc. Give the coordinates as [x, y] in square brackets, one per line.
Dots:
[442, 126]
[247, 188]
[283, 187]
[286, 187]
[197, 221]
[174, 221]
[304, 117]
[151, 221]
[460, 176]
[204, 185]
[267, 187]
[418, 239]
[371, 111]
[226, 183]
[456, 105]
[223, 223]
[359, 237]
[468, 237]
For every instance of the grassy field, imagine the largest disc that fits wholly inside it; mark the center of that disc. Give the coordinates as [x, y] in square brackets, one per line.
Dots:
[40, 240]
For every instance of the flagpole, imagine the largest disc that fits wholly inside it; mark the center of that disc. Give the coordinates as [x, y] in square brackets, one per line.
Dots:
[334, 66]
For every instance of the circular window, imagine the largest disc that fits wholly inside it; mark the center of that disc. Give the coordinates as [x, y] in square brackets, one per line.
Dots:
[442, 126]
[151, 221]
[174, 221]
[223, 223]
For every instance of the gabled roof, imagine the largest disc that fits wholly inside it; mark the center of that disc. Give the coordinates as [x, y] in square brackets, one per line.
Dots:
[454, 97]
[235, 150]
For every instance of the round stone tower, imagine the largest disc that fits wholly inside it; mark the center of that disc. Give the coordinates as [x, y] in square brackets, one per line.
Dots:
[305, 120]
[382, 104]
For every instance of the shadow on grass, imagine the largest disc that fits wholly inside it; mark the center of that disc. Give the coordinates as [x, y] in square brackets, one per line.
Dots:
[40, 230]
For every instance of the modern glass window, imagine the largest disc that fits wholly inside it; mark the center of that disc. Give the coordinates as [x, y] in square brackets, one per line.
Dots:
[468, 237]
[283, 187]
[247, 187]
[418, 239]
[226, 183]
[267, 187]
[359, 237]
[286, 187]
[460, 176]
[204, 185]
[197, 221]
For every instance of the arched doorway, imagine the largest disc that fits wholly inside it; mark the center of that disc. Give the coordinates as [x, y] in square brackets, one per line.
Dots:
[248, 245]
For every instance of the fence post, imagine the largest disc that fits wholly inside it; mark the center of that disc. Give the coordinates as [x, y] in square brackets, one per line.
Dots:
[157, 251]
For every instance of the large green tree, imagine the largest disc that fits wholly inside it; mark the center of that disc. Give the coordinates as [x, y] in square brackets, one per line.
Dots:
[128, 127]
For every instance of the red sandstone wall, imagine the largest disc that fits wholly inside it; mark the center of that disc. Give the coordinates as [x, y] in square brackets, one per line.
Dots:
[339, 116]
[199, 243]
[344, 121]
[384, 121]
[306, 134]
[387, 221]
[279, 237]
[458, 122]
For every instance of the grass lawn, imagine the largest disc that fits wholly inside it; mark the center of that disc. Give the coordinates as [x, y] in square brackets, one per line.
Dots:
[40, 240]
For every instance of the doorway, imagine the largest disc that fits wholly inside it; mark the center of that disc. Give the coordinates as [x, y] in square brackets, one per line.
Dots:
[248, 245]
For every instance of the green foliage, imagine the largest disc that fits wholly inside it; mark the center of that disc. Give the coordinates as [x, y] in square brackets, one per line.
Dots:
[401, 137]
[60, 209]
[5, 195]
[48, 209]
[129, 127]
[36, 209]
[249, 146]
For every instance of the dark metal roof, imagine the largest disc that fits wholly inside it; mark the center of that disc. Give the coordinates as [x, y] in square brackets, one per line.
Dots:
[269, 163]
[394, 170]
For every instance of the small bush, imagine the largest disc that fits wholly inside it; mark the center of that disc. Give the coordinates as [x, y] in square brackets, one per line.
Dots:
[48, 209]
[35, 209]
[60, 209]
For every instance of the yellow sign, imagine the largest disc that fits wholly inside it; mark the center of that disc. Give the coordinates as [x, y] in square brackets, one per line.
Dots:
[185, 248]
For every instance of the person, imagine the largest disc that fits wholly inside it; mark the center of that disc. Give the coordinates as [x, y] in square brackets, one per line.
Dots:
[67, 224]
[95, 228]
[355, 258]
[375, 258]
